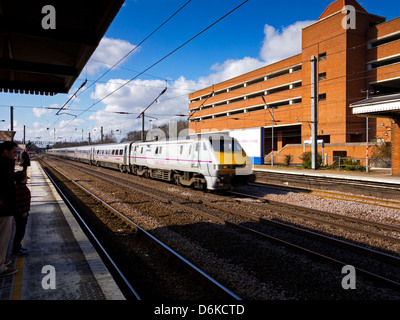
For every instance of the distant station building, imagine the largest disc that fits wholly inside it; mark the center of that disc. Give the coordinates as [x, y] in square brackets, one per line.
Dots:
[357, 61]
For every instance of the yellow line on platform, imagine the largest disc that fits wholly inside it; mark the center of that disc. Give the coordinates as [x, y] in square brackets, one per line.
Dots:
[17, 285]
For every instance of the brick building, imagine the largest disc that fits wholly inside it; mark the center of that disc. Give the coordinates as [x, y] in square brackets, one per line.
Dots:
[269, 109]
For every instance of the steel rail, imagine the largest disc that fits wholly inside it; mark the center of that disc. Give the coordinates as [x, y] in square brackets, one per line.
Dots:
[385, 203]
[301, 231]
[323, 238]
[128, 287]
[192, 267]
[329, 214]
[387, 190]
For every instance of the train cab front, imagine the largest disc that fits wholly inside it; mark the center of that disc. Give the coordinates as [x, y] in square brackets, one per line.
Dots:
[235, 168]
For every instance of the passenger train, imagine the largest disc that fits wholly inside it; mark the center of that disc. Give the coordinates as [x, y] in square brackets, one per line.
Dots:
[211, 162]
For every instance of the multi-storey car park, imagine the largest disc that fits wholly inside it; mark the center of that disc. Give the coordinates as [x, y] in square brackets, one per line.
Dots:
[357, 59]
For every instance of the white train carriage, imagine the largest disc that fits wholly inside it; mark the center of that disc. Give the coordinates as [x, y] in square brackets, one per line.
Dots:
[66, 153]
[110, 155]
[84, 154]
[204, 162]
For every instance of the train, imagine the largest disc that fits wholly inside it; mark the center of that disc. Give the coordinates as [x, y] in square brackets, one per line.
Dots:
[204, 162]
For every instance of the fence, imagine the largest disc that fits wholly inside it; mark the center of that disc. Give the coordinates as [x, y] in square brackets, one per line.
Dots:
[331, 162]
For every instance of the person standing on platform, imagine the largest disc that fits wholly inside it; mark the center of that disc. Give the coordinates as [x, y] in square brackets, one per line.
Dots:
[23, 196]
[25, 160]
[8, 203]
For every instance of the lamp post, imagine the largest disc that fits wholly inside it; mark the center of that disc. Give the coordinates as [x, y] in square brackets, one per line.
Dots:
[366, 130]
[272, 129]
[142, 113]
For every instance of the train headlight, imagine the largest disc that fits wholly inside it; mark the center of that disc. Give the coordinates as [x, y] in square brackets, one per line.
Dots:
[228, 166]
[222, 166]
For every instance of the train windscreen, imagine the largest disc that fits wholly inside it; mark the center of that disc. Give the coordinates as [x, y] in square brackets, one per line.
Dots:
[225, 145]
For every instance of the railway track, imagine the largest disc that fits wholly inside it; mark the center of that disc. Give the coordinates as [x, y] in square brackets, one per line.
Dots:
[219, 214]
[336, 220]
[385, 203]
[207, 282]
[364, 188]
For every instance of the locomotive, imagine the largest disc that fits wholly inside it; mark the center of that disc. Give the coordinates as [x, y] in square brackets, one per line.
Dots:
[210, 162]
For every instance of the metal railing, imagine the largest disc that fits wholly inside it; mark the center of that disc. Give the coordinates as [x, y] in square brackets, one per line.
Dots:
[332, 162]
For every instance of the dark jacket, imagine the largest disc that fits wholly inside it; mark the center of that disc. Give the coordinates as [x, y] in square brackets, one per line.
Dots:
[25, 160]
[8, 203]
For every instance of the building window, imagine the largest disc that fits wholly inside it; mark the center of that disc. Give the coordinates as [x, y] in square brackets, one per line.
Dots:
[322, 56]
[322, 97]
[322, 76]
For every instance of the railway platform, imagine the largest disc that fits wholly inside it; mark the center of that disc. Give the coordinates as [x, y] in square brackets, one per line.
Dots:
[376, 175]
[62, 263]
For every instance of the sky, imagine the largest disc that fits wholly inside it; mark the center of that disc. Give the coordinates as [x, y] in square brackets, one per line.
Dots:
[256, 34]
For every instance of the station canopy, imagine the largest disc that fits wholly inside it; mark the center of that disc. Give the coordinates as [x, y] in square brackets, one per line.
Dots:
[387, 106]
[6, 135]
[39, 60]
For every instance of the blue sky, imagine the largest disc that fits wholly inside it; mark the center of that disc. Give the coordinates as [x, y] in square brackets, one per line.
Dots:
[256, 34]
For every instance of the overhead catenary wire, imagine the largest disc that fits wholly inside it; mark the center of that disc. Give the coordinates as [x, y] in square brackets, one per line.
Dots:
[120, 60]
[328, 84]
[163, 58]
[137, 46]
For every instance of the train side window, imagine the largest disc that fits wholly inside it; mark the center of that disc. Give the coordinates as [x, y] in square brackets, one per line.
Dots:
[160, 150]
[121, 152]
[141, 150]
[181, 149]
[156, 150]
[113, 152]
[197, 146]
[204, 146]
[190, 149]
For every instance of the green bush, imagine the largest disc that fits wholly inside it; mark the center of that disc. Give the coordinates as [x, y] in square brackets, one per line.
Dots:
[288, 159]
[382, 155]
[351, 165]
[307, 161]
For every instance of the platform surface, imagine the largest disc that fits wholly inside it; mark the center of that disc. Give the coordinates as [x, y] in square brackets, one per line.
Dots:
[62, 264]
[376, 175]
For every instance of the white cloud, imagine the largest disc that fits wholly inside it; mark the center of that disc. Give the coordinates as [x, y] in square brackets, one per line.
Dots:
[277, 45]
[138, 94]
[282, 44]
[134, 98]
[230, 69]
[40, 112]
[109, 52]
